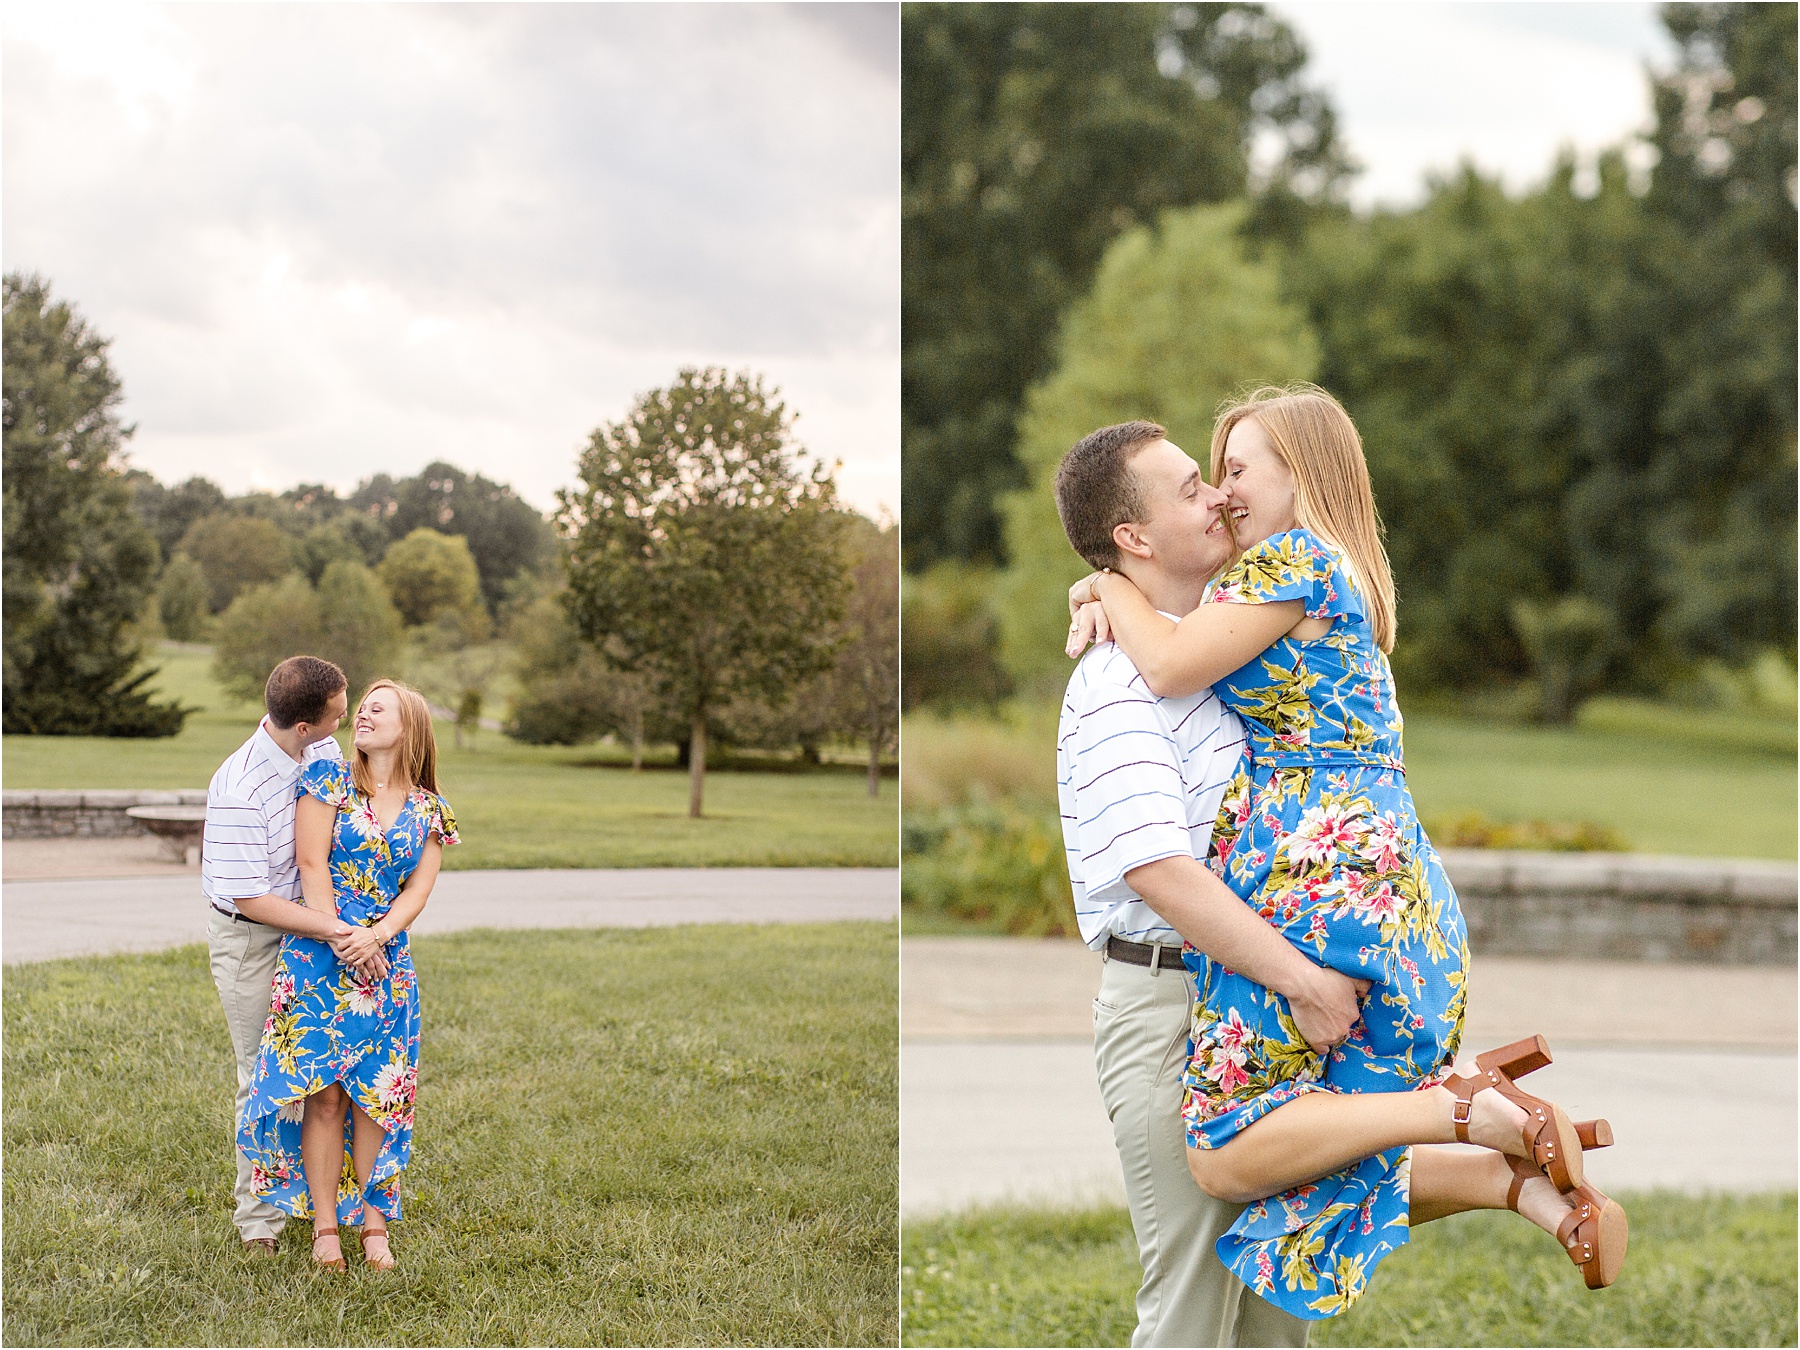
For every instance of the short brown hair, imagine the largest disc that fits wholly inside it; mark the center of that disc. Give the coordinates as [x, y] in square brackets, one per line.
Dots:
[418, 747]
[300, 689]
[1096, 491]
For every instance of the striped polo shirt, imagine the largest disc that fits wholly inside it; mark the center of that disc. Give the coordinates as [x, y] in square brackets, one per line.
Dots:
[248, 849]
[1138, 778]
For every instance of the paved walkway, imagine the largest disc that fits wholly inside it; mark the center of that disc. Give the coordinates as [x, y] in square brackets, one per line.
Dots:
[42, 920]
[998, 1100]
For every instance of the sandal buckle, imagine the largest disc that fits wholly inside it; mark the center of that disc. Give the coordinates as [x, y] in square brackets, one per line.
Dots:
[1459, 1111]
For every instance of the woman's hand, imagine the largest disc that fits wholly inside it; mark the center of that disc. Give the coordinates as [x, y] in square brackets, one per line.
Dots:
[361, 948]
[1088, 625]
[1084, 592]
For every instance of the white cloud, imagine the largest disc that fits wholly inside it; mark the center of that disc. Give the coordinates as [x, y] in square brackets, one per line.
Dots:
[331, 240]
[1420, 87]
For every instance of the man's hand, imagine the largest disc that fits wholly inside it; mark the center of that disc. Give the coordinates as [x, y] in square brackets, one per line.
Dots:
[1326, 1006]
[362, 948]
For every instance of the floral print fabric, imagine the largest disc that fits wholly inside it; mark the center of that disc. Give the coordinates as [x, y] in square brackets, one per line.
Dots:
[1318, 833]
[328, 1024]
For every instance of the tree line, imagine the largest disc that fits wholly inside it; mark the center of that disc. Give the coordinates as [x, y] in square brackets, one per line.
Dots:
[1578, 402]
[701, 585]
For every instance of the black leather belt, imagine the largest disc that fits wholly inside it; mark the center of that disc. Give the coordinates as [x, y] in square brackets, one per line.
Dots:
[1158, 956]
[233, 915]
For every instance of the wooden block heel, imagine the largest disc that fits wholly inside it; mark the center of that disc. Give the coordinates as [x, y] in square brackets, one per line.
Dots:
[1594, 1235]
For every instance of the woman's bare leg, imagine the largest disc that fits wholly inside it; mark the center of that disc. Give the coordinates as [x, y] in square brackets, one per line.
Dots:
[1321, 1132]
[365, 1146]
[1450, 1181]
[322, 1154]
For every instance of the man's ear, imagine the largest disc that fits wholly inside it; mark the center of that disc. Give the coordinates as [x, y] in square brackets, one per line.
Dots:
[1130, 541]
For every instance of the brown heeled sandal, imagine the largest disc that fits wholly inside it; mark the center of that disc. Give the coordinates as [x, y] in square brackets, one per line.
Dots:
[336, 1264]
[1595, 1234]
[1549, 1136]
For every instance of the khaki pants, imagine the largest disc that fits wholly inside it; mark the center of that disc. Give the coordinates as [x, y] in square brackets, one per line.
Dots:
[1188, 1297]
[243, 968]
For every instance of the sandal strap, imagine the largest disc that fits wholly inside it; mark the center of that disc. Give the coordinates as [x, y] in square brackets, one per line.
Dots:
[1463, 1088]
[1523, 1172]
[1569, 1231]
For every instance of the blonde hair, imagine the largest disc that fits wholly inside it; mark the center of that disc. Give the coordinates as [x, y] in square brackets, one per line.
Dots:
[1316, 439]
[418, 747]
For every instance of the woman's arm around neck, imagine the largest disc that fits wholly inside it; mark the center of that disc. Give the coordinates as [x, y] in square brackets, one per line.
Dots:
[1180, 658]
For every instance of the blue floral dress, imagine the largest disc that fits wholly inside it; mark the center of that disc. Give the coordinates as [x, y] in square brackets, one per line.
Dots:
[1318, 834]
[327, 1023]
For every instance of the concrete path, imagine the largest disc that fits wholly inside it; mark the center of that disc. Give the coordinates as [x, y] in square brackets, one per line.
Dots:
[42, 920]
[998, 1100]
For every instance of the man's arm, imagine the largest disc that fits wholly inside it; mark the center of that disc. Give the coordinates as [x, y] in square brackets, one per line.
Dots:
[1204, 910]
[287, 917]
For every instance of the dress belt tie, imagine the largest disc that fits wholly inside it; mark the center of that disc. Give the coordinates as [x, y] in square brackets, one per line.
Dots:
[1336, 759]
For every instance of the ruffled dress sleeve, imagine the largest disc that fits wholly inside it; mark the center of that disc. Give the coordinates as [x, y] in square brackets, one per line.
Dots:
[441, 821]
[1293, 565]
[326, 779]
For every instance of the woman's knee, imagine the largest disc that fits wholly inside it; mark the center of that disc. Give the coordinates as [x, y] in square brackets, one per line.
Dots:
[331, 1099]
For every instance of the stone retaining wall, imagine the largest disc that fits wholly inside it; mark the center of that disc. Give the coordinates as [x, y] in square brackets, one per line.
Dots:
[84, 813]
[1627, 906]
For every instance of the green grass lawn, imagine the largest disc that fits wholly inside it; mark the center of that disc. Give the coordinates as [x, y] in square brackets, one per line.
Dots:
[1715, 1270]
[1667, 779]
[522, 805]
[663, 1137]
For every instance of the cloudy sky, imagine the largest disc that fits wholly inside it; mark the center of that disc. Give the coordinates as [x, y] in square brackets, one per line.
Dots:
[329, 240]
[1420, 86]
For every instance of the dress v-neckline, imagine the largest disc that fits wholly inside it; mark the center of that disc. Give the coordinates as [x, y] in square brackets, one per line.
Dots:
[399, 815]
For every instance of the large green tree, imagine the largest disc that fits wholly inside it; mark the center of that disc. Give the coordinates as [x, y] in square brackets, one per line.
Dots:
[1031, 135]
[506, 536]
[1581, 401]
[702, 552]
[79, 564]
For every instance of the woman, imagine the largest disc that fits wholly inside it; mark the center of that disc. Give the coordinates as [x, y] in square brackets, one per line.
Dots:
[328, 1127]
[1319, 834]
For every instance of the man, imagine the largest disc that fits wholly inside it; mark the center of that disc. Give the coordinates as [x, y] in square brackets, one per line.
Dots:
[1140, 780]
[250, 879]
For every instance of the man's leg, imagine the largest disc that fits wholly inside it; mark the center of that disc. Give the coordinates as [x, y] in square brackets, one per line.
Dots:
[243, 967]
[1140, 1050]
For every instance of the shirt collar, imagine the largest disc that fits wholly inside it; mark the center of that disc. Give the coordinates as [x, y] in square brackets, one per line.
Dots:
[277, 758]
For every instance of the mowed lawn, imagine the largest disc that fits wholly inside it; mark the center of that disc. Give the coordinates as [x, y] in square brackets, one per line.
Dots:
[1713, 1270]
[664, 1137]
[520, 805]
[1667, 779]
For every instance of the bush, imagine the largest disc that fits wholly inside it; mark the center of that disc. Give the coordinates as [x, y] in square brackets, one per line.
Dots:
[999, 864]
[181, 600]
[237, 553]
[432, 575]
[952, 761]
[359, 628]
[1472, 829]
[950, 642]
[348, 619]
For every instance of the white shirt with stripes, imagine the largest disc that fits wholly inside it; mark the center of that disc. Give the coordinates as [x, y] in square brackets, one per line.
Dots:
[248, 848]
[1139, 778]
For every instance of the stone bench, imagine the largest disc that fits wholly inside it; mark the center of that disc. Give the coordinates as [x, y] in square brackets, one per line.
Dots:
[85, 813]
